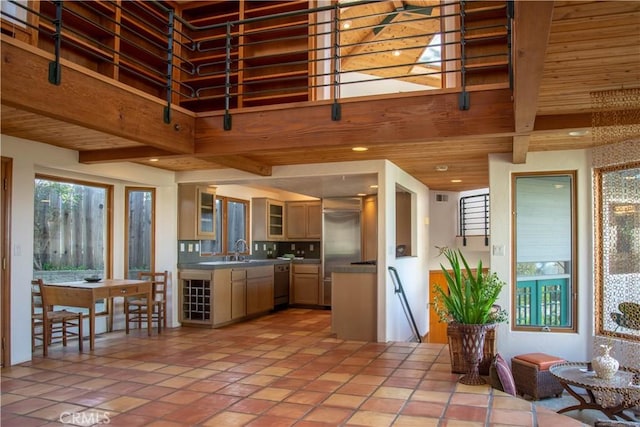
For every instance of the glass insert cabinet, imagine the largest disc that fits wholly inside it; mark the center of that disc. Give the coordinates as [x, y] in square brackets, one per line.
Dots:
[197, 212]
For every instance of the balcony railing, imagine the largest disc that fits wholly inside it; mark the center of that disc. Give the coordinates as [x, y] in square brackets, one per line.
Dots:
[210, 56]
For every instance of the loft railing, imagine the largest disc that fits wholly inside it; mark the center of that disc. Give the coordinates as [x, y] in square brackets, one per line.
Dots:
[474, 217]
[206, 58]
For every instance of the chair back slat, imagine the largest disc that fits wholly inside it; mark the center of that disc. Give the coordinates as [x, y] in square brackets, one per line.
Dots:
[158, 283]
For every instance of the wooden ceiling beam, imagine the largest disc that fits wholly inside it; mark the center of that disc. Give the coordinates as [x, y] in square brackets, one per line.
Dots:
[144, 154]
[415, 117]
[520, 148]
[131, 154]
[530, 39]
[88, 99]
[242, 163]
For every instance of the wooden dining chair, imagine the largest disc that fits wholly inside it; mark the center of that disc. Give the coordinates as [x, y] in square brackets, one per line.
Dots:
[135, 308]
[47, 323]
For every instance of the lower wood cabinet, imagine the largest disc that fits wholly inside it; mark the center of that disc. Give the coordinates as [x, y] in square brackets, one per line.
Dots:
[306, 284]
[238, 294]
[259, 289]
[211, 298]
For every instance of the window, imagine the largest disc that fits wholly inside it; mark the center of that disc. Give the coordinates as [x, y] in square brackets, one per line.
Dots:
[72, 225]
[405, 231]
[232, 224]
[544, 221]
[617, 242]
[140, 238]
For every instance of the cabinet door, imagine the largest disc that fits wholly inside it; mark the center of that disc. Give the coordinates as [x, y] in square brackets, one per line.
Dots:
[305, 288]
[296, 221]
[275, 220]
[314, 220]
[238, 294]
[206, 221]
[221, 296]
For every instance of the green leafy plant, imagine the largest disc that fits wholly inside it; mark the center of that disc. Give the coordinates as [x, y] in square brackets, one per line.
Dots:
[469, 297]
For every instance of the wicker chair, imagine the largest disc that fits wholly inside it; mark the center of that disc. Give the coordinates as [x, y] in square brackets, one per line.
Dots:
[47, 323]
[135, 308]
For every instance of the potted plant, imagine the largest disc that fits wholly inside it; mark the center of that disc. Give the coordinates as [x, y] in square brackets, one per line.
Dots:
[469, 303]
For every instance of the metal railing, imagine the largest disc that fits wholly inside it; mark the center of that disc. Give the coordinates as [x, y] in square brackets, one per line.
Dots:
[213, 60]
[474, 217]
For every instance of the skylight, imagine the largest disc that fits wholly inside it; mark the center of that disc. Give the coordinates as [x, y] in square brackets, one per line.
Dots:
[432, 54]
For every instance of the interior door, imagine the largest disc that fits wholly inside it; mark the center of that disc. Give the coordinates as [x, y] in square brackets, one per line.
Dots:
[5, 282]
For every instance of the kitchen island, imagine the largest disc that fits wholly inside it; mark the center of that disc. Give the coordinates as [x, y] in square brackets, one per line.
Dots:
[354, 305]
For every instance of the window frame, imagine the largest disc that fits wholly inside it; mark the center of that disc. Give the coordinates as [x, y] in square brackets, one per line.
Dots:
[226, 248]
[573, 280]
[152, 249]
[109, 198]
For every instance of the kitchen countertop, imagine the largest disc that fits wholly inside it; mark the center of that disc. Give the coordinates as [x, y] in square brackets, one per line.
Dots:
[213, 265]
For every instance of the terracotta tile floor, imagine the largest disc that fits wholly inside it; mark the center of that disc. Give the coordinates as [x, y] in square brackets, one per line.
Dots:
[283, 369]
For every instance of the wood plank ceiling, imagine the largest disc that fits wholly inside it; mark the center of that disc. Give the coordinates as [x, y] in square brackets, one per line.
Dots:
[588, 46]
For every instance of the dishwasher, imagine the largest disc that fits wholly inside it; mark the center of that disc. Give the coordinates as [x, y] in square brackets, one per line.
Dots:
[280, 286]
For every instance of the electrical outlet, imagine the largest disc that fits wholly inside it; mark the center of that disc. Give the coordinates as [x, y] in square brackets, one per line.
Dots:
[190, 247]
[181, 247]
[197, 247]
[293, 246]
[311, 247]
[264, 247]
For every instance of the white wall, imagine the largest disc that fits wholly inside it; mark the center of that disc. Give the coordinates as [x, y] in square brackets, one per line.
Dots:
[571, 346]
[413, 270]
[30, 158]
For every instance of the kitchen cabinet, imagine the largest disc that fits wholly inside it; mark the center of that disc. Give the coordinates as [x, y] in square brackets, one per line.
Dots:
[304, 220]
[259, 289]
[267, 219]
[195, 297]
[238, 293]
[221, 296]
[212, 298]
[197, 212]
[306, 284]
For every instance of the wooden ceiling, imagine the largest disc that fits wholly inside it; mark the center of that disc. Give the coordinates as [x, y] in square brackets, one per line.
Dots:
[582, 47]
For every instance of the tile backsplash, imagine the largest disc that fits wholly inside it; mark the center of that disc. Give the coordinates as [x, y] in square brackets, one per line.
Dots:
[189, 250]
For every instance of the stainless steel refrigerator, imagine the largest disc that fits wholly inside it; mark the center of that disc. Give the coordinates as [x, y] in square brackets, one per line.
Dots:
[341, 238]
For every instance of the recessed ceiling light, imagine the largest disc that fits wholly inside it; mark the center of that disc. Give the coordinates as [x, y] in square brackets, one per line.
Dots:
[362, 194]
[396, 53]
[346, 25]
[442, 168]
[359, 149]
[579, 132]
[373, 186]
[456, 180]
[153, 160]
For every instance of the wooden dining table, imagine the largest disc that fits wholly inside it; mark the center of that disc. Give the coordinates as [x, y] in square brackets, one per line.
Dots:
[84, 294]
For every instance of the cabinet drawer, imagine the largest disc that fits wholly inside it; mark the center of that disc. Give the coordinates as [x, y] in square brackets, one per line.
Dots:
[265, 271]
[238, 274]
[194, 275]
[306, 268]
[123, 291]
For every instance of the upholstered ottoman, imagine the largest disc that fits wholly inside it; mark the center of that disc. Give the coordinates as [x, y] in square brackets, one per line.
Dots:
[532, 377]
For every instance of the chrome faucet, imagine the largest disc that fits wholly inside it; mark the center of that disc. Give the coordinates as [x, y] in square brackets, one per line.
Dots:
[240, 243]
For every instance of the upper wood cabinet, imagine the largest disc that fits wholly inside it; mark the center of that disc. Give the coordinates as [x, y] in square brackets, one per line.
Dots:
[267, 219]
[304, 220]
[196, 212]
